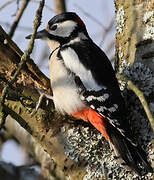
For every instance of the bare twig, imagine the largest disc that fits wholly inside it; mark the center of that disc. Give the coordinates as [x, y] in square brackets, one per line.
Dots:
[110, 46]
[22, 28]
[106, 29]
[140, 95]
[35, 1]
[143, 101]
[24, 57]
[18, 17]
[6, 4]
[49, 8]
[31, 146]
[60, 6]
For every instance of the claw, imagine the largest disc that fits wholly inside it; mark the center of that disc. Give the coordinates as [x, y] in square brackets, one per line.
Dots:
[42, 95]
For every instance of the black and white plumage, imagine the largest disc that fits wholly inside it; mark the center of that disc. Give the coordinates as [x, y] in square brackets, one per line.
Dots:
[107, 105]
[82, 78]
[101, 101]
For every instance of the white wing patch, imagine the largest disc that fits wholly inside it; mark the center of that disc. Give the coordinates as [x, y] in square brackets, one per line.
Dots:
[90, 98]
[103, 103]
[100, 98]
[93, 107]
[72, 62]
[100, 109]
[77, 39]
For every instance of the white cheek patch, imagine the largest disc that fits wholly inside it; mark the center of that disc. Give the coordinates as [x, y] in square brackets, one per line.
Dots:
[64, 29]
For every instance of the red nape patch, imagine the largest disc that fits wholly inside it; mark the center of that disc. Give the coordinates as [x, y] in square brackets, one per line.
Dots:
[80, 21]
[94, 118]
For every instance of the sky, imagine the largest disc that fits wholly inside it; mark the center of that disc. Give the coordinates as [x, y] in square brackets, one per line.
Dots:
[98, 15]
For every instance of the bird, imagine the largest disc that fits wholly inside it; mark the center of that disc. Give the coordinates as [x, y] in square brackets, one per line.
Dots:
[84, 85]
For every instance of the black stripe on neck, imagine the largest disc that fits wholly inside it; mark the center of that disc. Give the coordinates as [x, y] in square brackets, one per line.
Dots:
[53, 52]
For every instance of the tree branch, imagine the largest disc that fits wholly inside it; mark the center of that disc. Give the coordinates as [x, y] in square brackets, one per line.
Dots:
[24, 58]
[6, 4]
[18, 17]
[31, 146]
[60, 6]
[11, 52]
[131, 86]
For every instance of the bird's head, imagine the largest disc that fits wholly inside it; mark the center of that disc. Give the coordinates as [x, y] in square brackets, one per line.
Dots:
[62, 28]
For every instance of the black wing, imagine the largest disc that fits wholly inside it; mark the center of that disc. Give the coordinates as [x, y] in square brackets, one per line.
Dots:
[109, 103]
[120, 134]
[95, 60]
[106, 105]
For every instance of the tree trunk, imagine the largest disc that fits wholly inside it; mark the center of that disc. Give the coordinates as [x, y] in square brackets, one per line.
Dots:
[135, 32]
[135, 61]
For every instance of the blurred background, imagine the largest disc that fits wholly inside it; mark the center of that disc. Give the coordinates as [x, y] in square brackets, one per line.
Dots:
[99, 17]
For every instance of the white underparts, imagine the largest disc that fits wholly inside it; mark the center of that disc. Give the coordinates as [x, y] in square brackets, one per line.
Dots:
[65, 94]
[52, 44]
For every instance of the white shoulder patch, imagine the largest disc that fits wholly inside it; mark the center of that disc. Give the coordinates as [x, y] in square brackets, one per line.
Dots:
[72, 62]
[80, 37]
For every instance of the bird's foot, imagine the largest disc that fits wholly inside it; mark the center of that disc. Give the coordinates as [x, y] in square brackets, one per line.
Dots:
[42, 96]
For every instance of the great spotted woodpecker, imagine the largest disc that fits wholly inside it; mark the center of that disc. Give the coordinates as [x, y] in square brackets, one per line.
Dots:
[84, 86]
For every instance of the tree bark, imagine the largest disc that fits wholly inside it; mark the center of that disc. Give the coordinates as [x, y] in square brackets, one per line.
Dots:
[135, 61]
[135, 34]
[134, 45]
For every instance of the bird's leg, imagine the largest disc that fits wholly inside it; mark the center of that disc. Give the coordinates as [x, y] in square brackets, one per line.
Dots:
[42, 96]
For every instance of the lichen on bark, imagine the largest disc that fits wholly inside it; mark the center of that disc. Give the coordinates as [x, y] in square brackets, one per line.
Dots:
[135, 60]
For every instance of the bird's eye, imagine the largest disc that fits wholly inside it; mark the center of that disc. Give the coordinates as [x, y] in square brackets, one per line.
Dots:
[53, 28]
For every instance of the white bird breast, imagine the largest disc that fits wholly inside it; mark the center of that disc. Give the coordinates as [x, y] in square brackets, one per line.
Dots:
[65, 95]
[65, 91]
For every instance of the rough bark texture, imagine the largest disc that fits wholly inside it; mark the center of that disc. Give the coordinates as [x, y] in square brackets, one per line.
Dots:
[135, 32]
[135, 60]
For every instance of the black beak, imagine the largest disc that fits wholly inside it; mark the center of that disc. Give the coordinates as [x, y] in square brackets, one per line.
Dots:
[40, 35]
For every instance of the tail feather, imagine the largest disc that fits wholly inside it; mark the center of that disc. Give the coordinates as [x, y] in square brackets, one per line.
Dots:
[143, 157]
[134, 156]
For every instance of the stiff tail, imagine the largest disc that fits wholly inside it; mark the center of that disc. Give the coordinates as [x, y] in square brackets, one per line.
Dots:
[134, 156]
